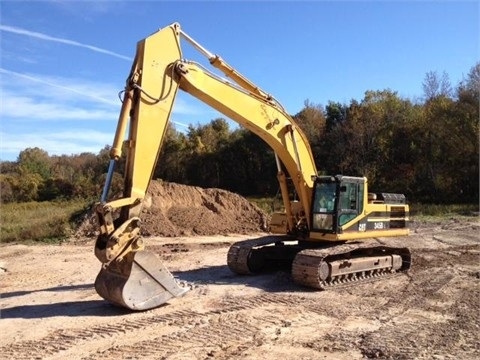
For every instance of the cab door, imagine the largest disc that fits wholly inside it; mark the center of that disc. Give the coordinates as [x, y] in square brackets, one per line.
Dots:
[350, 202]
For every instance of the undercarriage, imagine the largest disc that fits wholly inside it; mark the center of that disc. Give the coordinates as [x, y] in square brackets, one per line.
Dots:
[317, 265]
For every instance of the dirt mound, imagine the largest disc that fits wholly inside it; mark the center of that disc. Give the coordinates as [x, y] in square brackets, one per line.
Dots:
[179, 210]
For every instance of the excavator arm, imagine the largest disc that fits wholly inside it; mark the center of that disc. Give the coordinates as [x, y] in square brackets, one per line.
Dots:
[266, 119]
[130, 276]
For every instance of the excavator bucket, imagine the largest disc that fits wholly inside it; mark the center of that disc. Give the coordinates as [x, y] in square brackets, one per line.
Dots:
[138, 282]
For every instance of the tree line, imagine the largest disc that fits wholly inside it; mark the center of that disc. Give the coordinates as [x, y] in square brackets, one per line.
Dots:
[427, 149]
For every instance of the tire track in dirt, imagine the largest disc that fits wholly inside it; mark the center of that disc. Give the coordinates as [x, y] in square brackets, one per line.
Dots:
[432, 335]
[62, 342]
[444, 312]
[433, 297]
[435, 332]
[221, 334]
[65, 339]
[439, 316]
[207, 336]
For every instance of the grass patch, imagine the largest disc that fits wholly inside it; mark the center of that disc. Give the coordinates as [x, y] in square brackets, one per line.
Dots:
[48, 221]
[435, 211]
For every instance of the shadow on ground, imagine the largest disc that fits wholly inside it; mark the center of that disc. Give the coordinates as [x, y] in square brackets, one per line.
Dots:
[71, 309]
[271, 281]
[275, 281]
[54, 289]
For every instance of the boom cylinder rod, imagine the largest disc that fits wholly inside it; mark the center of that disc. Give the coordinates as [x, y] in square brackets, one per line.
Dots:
[277, 161]
[229, 71]
[284, 191]
[124, 117]
[108, 181]
[199, 47]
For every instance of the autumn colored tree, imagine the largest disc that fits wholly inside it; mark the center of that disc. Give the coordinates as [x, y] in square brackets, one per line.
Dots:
[428, 149]
[172, 161]
[311, 120]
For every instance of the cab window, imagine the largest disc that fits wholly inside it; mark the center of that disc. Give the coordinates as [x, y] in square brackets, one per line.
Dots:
[324, 206]
[351, 202]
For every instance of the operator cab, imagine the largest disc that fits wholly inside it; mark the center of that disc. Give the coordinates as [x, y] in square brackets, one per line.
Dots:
[336, 200]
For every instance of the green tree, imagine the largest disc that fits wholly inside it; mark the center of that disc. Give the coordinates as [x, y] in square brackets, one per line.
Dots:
[172, 163]
[27, 186]
[335, 114]
[204, 143]
[333, 146]
[247, 165]
[34, 161]
[447, 161]
[33, 169]
[311, 120]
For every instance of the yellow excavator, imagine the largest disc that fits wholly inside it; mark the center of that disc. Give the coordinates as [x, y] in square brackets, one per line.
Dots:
[317, 235]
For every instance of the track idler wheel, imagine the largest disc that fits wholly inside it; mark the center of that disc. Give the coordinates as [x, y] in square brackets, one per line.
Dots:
[138, 282]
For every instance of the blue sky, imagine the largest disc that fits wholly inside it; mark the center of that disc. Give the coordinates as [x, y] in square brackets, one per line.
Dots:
[64, 62]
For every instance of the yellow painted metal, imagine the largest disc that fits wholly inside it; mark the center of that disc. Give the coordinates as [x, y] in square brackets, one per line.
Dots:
[156, 74]
[241, 80]
[356, 235]
[269, 122]
[116, 150]
[150, 94]
[378, 208]
[152, 110]
[131, 277]
[122, 202]
[282, 181]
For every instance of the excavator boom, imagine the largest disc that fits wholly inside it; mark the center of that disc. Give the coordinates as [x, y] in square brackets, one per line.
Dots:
[131, 277]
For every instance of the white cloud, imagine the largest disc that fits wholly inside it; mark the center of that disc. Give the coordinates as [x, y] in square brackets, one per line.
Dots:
[40, 36]
[53, 112]
[27, 93]
[31, 110]
[30, 98]
[55, 143]
[58, 87]
[42, 111]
